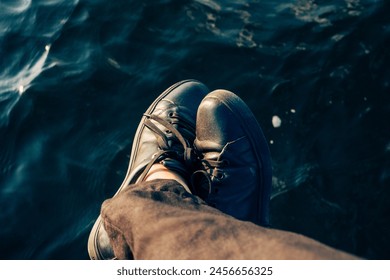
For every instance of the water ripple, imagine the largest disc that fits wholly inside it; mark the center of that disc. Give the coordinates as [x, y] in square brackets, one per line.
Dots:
[22, 80]
[15, 6]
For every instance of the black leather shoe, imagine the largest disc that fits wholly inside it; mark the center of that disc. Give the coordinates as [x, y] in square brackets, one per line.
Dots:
[236, 171]
[165, 135]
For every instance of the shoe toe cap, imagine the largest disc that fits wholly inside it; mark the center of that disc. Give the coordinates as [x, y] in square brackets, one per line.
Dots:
[99, 247]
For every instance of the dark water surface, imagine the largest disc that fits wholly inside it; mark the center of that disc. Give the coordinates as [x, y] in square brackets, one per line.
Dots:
[75, 77]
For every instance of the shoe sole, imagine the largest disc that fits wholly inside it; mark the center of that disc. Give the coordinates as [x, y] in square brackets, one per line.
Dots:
[258, 143]
[131, 175]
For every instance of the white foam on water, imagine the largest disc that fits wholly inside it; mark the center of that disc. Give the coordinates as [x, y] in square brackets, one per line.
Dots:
[22, 81]
[276, 121]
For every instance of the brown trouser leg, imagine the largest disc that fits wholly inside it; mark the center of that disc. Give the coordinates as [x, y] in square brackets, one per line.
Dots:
[159, 220]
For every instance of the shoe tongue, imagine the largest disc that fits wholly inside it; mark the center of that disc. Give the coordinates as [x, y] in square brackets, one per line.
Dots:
[211, 155]
[206, 146]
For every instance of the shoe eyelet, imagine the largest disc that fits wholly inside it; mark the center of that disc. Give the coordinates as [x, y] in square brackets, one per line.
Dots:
[219, 175]
[170, 114]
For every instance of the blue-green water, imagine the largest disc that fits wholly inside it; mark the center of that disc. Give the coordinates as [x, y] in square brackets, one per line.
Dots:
[76, 76]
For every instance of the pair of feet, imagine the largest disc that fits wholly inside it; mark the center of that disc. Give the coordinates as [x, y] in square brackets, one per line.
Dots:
[209, 142]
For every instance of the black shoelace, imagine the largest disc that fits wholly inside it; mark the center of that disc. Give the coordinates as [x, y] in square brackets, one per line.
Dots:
[185, 155]
[201, 180]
